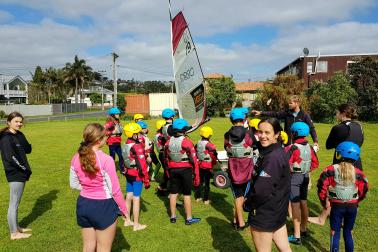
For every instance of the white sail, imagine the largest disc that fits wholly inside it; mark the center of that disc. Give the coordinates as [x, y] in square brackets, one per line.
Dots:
[189, 80]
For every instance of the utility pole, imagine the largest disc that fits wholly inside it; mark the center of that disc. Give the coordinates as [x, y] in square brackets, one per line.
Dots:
[115, 56]
[102, 89]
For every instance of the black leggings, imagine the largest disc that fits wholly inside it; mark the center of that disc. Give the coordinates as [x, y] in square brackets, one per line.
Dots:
[205, 176]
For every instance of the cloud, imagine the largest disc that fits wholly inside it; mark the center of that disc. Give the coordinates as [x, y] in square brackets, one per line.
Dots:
[5, 16]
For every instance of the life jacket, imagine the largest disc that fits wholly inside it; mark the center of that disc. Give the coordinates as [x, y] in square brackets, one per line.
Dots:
[239, 150]
[164, 130]
[340, 191]
[157, 143]
[175, 148]
[117, 130]
[305, 154]
[202, 153]
[147, 143]
[126, 153]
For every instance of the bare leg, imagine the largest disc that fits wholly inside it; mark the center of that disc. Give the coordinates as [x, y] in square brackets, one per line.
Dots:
[105, 238]
[262, 240]
[290, 212]
[136, 208]
[129, 198]
[89, 239]
[172, 204]
[281, 240]
[320, 220]
[304, 215]
[239, 211]
[296, 209]
[188, 206]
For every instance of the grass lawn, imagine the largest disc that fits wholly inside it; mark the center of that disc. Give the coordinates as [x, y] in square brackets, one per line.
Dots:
[48, 204]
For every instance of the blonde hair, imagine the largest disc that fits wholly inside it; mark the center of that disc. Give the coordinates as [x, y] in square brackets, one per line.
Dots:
[347, 173]
[294, 98]
[92, 134]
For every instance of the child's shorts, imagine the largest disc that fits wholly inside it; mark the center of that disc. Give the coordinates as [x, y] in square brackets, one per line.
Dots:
[299, 186]
[97, 214]
[133, 186]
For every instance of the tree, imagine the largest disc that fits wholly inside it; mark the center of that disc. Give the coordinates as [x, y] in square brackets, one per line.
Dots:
[121, 102]
[220, 95]
[95, 98]
[273, 96]
[325, 97]
[364, 79]
[79, 72]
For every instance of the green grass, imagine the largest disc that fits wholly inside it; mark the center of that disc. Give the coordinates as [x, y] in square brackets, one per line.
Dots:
[48, 204]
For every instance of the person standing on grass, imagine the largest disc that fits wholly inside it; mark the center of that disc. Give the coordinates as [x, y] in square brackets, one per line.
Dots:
[347, 130]
[268, 199]
[207, 156]
[183, 169]
[14, 146]
[302, 161]
[114, 133]
[345, 186]
[167, 131]
[239, 146]
[159, 143]
[136, 173]
[101, 201]
[292, 115]
[138, 118]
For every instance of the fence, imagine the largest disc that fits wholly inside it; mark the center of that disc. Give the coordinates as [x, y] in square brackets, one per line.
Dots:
[68, 108]
[44, 110]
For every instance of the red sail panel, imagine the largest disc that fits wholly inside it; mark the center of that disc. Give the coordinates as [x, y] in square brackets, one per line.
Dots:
[178, 27]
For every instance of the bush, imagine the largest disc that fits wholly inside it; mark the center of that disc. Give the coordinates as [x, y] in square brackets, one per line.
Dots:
[3, 114]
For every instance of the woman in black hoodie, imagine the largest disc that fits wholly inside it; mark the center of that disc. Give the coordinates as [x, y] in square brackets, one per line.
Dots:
[14, 147]
[268, 199]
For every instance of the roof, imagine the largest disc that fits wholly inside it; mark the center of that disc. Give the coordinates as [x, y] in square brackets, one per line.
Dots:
[214, 76]
[327, 55]
[248, 86]
[10, 78]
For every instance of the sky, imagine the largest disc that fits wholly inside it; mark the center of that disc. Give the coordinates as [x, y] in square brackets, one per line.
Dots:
[248, 39]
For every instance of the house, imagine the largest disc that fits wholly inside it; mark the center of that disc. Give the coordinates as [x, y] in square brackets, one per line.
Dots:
[321, 67]
[13, 89]
[247, 91]
[107, 96]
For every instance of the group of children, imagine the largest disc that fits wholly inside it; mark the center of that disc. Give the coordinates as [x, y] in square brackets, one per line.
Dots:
[186, 165]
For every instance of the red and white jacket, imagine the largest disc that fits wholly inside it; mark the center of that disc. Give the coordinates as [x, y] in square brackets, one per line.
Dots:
[137, 157]
[295, 154]
[114, 132]
[209, 154]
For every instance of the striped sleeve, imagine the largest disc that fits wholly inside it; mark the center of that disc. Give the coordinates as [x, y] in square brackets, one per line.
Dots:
[74, 180]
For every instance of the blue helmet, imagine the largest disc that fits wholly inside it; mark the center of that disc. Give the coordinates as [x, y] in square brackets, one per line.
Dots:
[180, 124]
[348, 150]
[237, 114]
[245, 111]
[114, 111]
[300, 129]
[168, 113]
[142, 124]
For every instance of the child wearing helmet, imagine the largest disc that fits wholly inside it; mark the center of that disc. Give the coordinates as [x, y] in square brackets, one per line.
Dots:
[238, 144]
[159, 142]
[148, 146]
[168, 115]
[345, 185]
[207, 156]
[182, 164]
[113, 129]
[302, 160]
[136, 173]
[138, 118]
[253, 132]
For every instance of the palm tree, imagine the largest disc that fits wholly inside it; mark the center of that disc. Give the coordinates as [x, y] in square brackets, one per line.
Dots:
[79, 72]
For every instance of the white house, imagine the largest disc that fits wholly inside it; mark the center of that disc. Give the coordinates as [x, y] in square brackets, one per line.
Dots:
[13, 89]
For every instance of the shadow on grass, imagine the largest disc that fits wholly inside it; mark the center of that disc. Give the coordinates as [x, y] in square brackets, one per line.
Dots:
[220, 204]
[143, 204]
[312, 245]
[120, 243]
[225, 238]
[42, 205]
[179, 208]
[314, 208]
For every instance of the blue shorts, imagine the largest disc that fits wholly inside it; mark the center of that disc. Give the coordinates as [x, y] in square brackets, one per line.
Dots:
[240, 190]
[133, 186]
[97, 214]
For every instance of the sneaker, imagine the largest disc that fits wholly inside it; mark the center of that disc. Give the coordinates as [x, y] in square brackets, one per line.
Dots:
[198, 199]
[207, 202]
[192, 221]
[234, 225]
[294, 240]
[173, 219]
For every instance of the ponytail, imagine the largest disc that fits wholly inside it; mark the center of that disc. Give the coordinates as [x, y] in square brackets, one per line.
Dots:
[347, 173]
[93, 133]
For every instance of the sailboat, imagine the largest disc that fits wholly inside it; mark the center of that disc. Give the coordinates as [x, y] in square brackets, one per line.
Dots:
[189, 78]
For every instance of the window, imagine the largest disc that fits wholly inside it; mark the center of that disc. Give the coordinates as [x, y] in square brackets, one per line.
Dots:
[309, 67]
[322, 67]
[349, 63]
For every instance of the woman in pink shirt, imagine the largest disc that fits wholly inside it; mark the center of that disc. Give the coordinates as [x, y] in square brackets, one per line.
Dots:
[101, 201]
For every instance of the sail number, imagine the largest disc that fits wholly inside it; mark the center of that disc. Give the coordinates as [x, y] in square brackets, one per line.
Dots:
[186, 75]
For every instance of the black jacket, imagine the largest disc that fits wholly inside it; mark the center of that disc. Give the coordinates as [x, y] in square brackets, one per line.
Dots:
[268, 198]
[14, 148]
[346, 131]
[289, 119]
